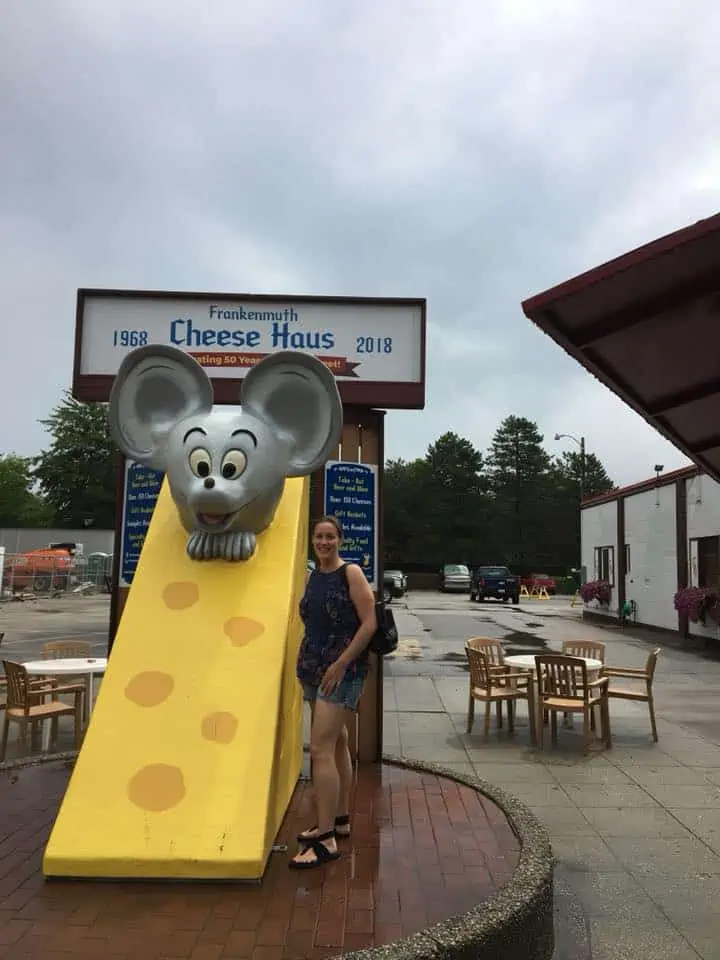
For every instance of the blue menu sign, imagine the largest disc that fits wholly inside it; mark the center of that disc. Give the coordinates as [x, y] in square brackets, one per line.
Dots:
[142, 488]
[351, 496]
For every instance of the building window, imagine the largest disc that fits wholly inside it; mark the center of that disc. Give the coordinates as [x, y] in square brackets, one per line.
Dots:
[605, 564]
[627, 558]
[705, 552]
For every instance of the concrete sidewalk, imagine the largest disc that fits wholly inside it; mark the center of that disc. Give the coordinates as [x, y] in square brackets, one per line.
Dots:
[636, 829]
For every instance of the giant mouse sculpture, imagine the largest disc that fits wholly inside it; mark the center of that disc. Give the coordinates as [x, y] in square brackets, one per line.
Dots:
[225, 468]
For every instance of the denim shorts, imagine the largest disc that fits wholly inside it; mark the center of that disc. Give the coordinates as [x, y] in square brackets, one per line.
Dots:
[346, 693]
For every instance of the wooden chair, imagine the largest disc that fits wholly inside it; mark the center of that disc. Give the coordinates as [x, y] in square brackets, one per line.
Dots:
[21, 708]
[639, 696]
[490, 685]
[563, 687]
[59, 649]
[495, 656]
[592, 649]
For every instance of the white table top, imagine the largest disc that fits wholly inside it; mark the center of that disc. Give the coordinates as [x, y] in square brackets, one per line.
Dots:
[70, 665]
[527, 661]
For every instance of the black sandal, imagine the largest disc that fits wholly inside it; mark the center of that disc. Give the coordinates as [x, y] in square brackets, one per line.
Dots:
[322, 854]
[343, 821]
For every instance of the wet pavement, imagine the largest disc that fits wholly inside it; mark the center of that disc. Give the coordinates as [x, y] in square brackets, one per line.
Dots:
[635, 829]
[422, 849]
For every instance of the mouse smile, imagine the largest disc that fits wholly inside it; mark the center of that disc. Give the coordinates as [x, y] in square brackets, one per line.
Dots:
[215, 522]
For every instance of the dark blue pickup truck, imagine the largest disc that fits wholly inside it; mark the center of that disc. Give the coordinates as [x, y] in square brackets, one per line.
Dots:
[495, 582]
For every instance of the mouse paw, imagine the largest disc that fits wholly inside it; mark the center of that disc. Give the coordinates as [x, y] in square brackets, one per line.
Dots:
[249, 543]
[193, 548]
[239, 546]
[199, 546]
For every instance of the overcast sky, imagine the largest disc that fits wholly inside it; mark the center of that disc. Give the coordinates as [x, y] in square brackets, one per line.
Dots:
[473, 153]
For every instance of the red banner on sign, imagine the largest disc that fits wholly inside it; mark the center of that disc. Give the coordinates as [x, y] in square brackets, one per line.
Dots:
[338, 366]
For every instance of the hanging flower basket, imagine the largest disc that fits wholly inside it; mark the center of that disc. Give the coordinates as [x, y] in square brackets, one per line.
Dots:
[698, 603]
[599, 590]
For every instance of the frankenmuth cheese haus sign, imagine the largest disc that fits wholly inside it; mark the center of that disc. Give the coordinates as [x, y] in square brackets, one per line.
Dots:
[375, 345]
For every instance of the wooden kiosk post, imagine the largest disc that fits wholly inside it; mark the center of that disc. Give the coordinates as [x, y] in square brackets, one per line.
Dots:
[375, 347]
[363, 442]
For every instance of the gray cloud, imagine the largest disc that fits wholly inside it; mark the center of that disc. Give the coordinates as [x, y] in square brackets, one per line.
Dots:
[471, 153]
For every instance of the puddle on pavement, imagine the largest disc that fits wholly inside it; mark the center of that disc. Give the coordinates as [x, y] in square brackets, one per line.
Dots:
[459, 659]
[533, 624]
[522, 637]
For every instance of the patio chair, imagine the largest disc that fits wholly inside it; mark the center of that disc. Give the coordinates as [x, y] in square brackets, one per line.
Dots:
[592, 649]
[21, 706]
[495, 655]
[563, 687]
[59, 649]
[490, 685]
[639, 696]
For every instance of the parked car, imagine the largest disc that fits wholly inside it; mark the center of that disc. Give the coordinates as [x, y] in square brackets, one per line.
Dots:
[394, 585]
[455, 576]
[496, 582]
[539, 580]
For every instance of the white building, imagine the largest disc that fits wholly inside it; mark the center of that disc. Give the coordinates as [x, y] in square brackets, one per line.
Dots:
[650, 539]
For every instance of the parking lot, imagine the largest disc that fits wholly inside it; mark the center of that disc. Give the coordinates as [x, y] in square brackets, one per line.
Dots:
[28, 624]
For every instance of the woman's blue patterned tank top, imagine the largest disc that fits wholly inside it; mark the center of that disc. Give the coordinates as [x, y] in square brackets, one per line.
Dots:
[331, 622]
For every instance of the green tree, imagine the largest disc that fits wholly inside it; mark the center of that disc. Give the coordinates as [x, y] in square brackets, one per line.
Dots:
[519, 472]
[20, 506]
[563, 503]
[456, 509]
[594, 476]
[77, 473]
[405, 509]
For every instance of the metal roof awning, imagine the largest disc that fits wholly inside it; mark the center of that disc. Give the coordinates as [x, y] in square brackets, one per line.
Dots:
[647, 325]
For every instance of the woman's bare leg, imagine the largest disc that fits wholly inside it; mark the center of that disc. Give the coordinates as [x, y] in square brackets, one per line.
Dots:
[343, 762]
[328, 720]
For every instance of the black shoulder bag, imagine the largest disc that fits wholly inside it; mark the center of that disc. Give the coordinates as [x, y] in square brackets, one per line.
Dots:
[385, 639]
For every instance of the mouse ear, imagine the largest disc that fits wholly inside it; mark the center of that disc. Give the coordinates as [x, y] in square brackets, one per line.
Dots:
[296, 394]
[155, 387]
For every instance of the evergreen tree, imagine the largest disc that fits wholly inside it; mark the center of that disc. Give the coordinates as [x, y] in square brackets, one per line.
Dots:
[406, 514]
[519, 474]
[591, 477]
[457, 504]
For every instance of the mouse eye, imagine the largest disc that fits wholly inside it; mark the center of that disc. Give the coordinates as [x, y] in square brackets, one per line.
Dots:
[200, 462]
[233, 464]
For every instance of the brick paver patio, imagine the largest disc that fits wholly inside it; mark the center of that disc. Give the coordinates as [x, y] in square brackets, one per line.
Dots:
[423, 849]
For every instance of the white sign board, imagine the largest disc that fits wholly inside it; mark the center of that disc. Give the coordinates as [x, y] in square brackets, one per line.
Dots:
[359, 340]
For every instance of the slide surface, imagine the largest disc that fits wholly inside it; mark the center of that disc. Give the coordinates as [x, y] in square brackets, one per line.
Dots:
[195, 744]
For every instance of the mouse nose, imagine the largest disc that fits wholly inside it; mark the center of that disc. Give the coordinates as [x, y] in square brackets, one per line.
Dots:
[209, 483]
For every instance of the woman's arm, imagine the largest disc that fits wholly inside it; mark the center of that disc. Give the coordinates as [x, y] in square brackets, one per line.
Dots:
[364, 602]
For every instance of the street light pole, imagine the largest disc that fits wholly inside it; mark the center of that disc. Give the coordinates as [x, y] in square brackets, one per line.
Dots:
[581, 484]
[581, 444]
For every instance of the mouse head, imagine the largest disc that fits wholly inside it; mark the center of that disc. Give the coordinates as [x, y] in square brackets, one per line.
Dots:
[226, 467]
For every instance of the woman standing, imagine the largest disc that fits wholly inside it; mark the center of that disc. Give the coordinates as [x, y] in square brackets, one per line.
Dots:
[338, 610]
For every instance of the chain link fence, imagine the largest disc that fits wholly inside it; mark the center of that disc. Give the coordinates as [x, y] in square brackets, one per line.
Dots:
[50, 575]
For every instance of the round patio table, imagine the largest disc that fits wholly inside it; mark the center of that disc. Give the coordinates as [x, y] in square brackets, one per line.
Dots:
[86, 667]
[526, 661]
